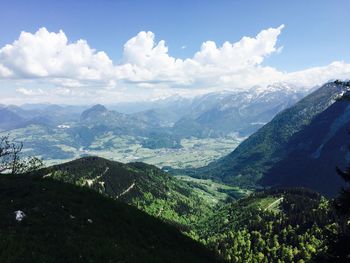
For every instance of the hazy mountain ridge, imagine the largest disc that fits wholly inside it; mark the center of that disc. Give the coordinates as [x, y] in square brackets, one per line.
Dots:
[9, 119]
[241, 112]
[61, 132]
[99, 114]
[47, 114]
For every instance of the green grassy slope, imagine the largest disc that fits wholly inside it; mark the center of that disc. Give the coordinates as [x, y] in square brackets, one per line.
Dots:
[66, 223]
[144, 186]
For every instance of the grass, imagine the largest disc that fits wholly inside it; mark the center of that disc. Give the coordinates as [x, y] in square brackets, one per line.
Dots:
[214, 192]
[270, 203]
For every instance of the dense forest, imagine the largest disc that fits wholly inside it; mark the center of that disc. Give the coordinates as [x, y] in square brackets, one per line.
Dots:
[282, 225]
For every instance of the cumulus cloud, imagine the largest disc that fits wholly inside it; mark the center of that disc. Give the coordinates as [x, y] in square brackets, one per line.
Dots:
[319, 75]
[145, 60]
[47, 54]
[76, 69]
[245, 53]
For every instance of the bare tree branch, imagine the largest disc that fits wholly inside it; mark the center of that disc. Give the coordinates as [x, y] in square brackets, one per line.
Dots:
[11, 161]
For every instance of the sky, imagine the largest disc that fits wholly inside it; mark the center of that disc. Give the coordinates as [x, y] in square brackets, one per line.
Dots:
[79, 52]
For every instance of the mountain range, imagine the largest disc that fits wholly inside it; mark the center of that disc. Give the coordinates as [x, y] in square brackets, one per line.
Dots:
[63, 132]
[293, 133]
[14, 117]
[244, 112]
[221, 112]
[301, 146]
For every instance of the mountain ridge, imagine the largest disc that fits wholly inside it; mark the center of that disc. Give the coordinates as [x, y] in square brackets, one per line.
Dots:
[254, 156]
[74, 224]
[141, 185]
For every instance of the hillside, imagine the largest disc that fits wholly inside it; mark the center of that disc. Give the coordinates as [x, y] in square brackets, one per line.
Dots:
[248, 163]
[314, 153]
[99, 115]
[143, 186]
[286, 225]
[66, 223]
[98, 121]
[9, 119]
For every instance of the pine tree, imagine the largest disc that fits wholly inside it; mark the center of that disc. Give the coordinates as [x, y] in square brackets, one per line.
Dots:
[342, 203]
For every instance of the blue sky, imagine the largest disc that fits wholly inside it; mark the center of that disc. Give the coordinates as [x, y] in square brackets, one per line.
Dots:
[316, 33]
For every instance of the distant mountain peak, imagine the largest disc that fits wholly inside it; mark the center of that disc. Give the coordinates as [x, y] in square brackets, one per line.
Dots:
[98, 107]
[93, 111]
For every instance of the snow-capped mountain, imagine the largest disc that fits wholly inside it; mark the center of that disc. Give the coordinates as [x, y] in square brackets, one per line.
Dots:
[243, 112]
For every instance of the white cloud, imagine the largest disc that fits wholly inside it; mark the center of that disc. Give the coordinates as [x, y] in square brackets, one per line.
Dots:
[144, 60]
[46, 54]
[319, 75]
[30, 92]
[5, 72]
[148, 61]
[64, 69]
[245, 53]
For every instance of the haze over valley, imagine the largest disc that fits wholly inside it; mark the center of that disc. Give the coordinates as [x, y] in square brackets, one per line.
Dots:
[179, 132]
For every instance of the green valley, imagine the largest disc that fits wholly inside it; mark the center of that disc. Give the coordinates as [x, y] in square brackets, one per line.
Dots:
[56, 145]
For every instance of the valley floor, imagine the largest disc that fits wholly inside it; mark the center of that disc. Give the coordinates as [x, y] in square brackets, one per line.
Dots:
[56, 146]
